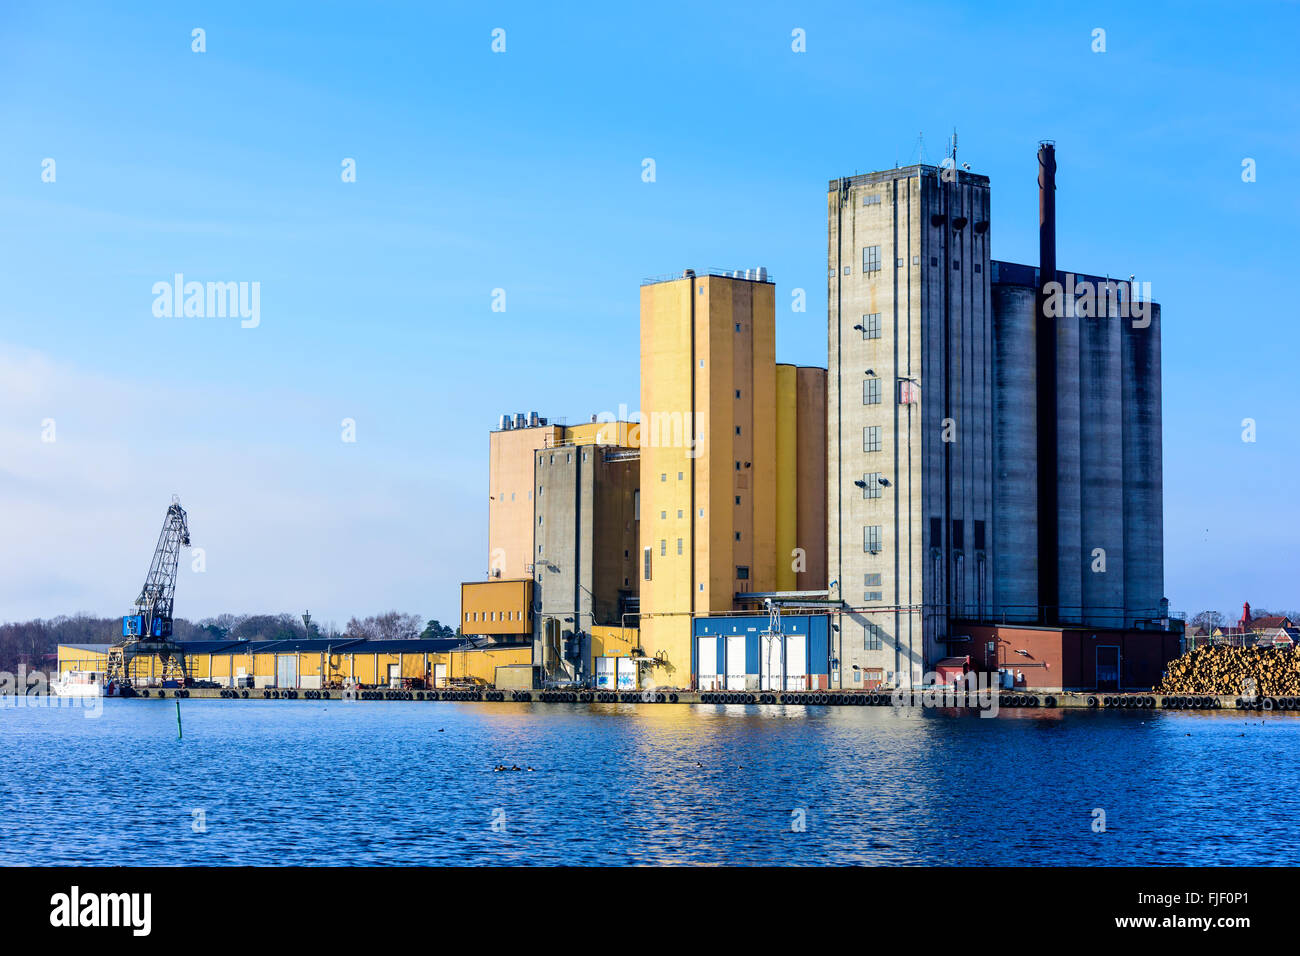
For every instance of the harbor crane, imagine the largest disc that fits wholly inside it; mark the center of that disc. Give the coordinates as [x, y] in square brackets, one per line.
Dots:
[148, 631]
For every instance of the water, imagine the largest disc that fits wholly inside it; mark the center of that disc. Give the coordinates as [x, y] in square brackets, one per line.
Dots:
[308, 782]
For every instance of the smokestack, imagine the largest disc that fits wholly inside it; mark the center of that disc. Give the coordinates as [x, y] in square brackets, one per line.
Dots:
[1045, 354]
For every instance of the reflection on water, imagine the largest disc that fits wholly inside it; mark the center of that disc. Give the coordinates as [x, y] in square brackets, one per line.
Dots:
[307, 782]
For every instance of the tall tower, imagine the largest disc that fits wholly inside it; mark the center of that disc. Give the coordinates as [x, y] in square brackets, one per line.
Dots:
[708, 454]
[909, 433]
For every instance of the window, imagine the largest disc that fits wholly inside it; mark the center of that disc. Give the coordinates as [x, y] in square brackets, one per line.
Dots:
[737, 466]
[539, 519]
[958, 536]
[737, 326]
[738, 393]
[871, 637]
[871, 580]
[979, 535]
[737, 499]
[871, 259]
[936, 532]
[870, 596]
[663, 547]
[636, 504]
[871, 326]
[871, 391]
[663, 516]
[664, 476]
[679, 476]
[742, 572]
[871, 538]
[679, 545]
[539, 491]
[871, 199]
[737, 535]
[934, 260]
[679, 512]
[871, 485]
[647, 564]
[737, 429]
[871, 438]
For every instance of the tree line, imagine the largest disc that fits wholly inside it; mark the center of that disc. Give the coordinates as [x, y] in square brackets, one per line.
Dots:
[27, 642]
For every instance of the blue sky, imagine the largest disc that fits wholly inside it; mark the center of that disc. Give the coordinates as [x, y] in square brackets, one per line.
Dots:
[522, 171]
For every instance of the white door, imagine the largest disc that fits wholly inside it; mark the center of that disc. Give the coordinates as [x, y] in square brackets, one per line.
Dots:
[796, 666]
[626, 673]
[605, 676]
[439, 675]
[769, 661]
[286, 672]
[706, 656]
[735, 662]
[394, 675]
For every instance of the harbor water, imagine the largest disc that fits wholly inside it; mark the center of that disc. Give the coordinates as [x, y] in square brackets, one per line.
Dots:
[337, 783]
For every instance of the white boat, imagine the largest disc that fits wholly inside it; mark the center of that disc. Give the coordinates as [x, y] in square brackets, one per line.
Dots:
[84, 684]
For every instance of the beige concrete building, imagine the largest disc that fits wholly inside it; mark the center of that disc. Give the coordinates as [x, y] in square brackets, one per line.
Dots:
[908, 431]
[510, 492]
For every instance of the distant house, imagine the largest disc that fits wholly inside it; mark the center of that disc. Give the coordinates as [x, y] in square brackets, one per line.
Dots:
[1269, 630]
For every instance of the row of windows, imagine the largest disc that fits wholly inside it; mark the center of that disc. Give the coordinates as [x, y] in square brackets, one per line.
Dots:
[485, 616]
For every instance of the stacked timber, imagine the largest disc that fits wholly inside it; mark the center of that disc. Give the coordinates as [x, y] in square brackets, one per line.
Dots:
[1266, 671]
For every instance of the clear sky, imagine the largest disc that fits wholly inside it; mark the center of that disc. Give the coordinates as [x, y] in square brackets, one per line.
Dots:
[522, 171]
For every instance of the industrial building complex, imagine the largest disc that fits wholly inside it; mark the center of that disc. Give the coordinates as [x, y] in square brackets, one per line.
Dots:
[973, 483]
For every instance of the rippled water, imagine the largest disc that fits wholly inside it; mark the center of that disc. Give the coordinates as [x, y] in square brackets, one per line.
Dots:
[307, 782]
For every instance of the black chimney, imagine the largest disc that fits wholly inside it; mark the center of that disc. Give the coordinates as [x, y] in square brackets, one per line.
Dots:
[1045, 356]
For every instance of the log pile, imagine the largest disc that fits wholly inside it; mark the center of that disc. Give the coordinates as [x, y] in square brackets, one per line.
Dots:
[1221, 669]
